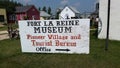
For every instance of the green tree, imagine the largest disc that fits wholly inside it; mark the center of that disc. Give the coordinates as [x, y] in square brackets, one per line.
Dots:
[49, 10]
[44, 9]
[9, 5]
[39, 9]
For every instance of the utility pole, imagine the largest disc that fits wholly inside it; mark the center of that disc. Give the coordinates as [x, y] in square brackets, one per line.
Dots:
[108, 23]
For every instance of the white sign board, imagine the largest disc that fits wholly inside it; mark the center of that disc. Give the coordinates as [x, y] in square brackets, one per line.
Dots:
[55, 36]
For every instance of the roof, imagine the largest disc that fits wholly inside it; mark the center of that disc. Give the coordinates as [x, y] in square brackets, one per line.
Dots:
[23, 8]
[44, 14]
[73, 9]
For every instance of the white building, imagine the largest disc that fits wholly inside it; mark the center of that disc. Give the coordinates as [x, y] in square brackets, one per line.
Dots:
[114, 31]
[69, 12]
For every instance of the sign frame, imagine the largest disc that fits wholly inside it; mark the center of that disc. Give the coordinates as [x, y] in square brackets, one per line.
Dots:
[55, 36]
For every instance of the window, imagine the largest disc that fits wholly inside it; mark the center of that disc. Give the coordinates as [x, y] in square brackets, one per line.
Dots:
[66, 16]
[33, 17]
[1, 18]
[12, 17]
[33, 9]
[21, 17]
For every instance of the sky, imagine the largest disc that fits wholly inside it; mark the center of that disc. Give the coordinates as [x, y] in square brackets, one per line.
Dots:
[80, 5]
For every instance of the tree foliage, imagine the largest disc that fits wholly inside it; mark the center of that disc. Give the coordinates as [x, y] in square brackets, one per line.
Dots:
[39, 9]
[9, 5]
[44, 9]
[49, 10]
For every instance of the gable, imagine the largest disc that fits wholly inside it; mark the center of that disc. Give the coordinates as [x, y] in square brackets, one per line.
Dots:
[74, 9]
[32, 9]
[68, 13]
[67, 10]
[70, 9]
[24, 8]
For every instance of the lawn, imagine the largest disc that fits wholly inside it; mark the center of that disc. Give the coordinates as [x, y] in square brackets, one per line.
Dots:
[5, 27]
[12, 57]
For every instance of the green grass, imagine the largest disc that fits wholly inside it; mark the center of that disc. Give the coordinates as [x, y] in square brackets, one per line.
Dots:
[12, 57]
[5, 27]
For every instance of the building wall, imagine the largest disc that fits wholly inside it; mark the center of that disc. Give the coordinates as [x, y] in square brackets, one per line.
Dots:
[114, 32]
[66, 11]
[3, 13]
[42, 18]
[20, 16]
[33, 13]
[11, 18]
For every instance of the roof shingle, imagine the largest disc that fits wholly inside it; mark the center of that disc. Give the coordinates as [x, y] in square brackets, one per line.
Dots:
[44, 14]
[23, 8]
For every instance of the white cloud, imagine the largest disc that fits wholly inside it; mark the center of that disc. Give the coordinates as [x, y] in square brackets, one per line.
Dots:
[64, 2]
